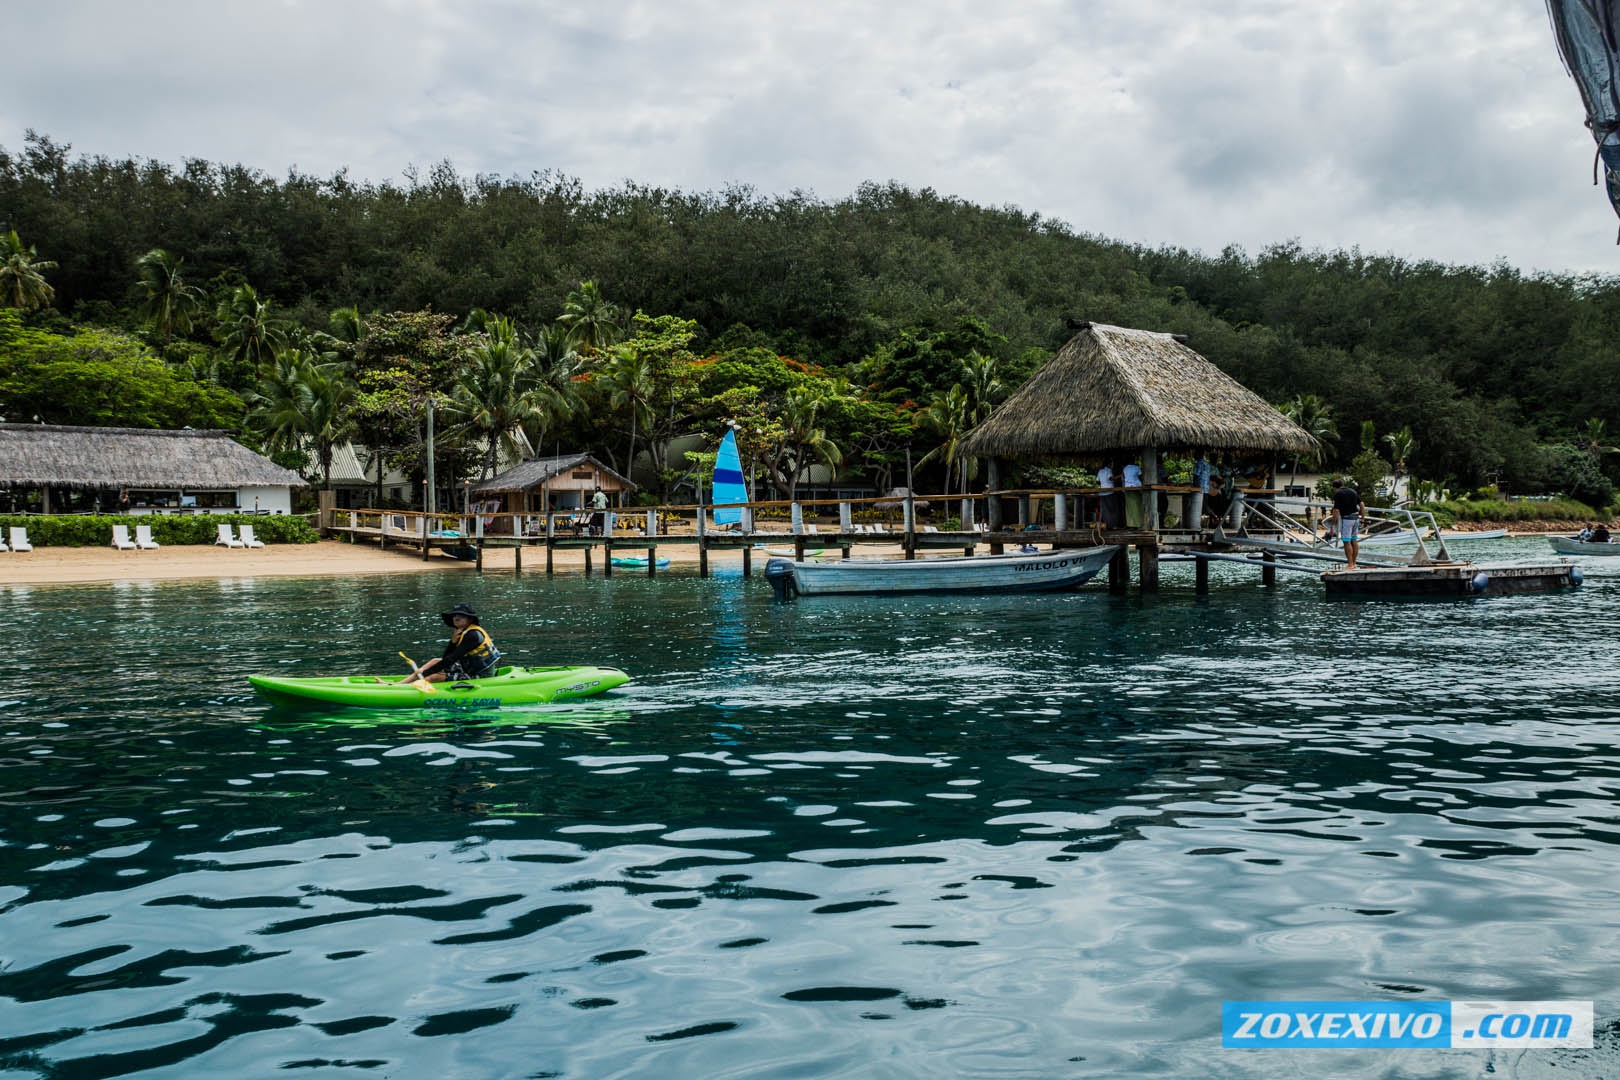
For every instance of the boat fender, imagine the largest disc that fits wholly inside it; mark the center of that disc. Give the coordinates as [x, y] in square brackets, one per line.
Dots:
[779, 572]
[1480, 581]
[1575, 575]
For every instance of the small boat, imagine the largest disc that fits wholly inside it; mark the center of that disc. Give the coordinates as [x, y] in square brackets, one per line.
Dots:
[635, 562]
[1568, 545]
[508, 686]
[1047, 571]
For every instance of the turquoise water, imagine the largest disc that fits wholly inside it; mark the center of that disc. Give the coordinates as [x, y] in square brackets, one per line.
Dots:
[1013, 836]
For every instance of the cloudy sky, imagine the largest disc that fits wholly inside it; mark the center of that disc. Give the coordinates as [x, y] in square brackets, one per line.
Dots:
[1443, 129]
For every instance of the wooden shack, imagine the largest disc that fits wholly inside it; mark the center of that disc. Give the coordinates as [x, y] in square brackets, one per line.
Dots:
[566, 482]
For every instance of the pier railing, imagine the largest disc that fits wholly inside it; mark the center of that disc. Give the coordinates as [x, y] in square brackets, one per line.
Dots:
[1046, 509]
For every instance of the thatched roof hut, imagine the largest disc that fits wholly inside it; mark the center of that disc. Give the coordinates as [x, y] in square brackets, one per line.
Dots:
[49, 455]
[896, 498]
[1114, 389]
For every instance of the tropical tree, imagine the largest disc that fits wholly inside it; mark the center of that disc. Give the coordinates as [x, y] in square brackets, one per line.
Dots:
[806, 440]
[628, 379]
[1594, 438]
[982, 387]
[168, 303]
[304, 403]
[1315, 416]
[346, 324]
[248, 334]
[948, 416]
[593, 323]
[496, 393]
[1401, 444]
[22, 276]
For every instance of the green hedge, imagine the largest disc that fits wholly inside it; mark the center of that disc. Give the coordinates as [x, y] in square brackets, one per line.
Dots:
[95, 530]
[1517, 510]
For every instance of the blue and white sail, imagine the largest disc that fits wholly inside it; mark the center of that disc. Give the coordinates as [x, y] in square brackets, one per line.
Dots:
[1588, 33]
[728, 482]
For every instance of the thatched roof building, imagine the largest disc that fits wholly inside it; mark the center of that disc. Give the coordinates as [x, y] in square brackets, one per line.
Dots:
[1114, 389]
[48, 455]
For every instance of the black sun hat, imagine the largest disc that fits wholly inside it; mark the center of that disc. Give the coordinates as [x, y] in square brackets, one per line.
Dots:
[459, 609]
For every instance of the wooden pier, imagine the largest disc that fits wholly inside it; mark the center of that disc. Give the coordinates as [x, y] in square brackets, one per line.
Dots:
[997, 521]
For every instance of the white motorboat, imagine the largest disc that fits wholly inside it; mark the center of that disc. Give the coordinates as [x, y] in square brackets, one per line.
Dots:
[1568, 545]
[1045, 571]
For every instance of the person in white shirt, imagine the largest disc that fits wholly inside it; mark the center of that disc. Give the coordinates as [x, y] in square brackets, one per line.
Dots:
[1133, 498]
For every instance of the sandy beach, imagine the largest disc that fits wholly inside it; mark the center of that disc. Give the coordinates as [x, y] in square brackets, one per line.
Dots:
[47, 566]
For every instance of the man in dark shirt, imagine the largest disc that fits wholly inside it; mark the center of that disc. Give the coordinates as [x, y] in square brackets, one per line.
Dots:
[1348, 510]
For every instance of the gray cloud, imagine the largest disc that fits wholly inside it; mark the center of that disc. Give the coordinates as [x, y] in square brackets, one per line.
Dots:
[1440, 129]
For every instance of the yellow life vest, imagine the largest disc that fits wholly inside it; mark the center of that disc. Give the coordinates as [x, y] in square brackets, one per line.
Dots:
[485, 650]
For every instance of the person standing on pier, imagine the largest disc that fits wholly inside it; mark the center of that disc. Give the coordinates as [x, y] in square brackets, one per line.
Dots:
[1348, 510]
[1133, 495]
[1195, 501]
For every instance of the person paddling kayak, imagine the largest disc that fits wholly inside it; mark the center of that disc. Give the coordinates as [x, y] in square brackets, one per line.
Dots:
[471, 653]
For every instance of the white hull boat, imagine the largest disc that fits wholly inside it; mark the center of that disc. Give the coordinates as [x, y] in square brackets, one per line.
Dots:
[1568, 545]
[1046, 571]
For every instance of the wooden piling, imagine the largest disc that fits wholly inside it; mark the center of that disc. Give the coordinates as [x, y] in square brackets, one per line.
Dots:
[1147, 568]
[748, 562]
[1268, 569]
[587, 561]
[549, 568]
[1201, 576]
[1119, 571]
[517, 557]
[607, 558]
[703, 556]
[478, 560]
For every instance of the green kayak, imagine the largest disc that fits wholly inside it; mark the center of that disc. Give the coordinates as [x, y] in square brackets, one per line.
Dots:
[508, 686]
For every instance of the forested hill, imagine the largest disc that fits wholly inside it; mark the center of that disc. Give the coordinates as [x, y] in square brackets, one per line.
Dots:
[1480, 363]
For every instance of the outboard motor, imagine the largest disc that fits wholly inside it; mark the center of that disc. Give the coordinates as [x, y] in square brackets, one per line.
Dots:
[779, 572]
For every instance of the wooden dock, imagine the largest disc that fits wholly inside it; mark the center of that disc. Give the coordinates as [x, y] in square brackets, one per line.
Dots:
[1450, 579]
[1265, 540]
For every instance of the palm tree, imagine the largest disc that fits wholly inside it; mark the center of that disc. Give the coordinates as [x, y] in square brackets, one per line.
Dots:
[807, 442]
[496, 393]
[949, 416]
[247, 332]
[1316, 417]
[1401, 444]
[556, 365]
[592, 322]
[629, 379]
[169, 303]
[1593, 436]
[981, 382]
[346, 324]
[22, 276]
[304, 404]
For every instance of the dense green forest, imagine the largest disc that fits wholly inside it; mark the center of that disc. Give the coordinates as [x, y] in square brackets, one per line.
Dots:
[840, 331]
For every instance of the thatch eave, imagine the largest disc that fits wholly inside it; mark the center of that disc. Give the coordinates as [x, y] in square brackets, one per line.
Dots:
[1117, 390]
[68, 456]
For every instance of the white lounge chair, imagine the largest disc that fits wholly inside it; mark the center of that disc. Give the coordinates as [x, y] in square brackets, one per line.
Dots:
[121, 540]
[143, 538]
[225, 538]
[19, 539]
[248, 539]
